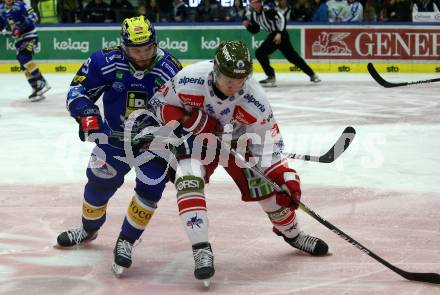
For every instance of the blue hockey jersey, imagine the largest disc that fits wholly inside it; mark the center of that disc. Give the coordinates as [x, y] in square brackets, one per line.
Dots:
[20, 16]
[107, 72]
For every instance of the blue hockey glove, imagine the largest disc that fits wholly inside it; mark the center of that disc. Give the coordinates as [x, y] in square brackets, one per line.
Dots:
[89, 121]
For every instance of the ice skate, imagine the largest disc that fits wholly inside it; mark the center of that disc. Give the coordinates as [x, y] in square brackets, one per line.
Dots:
[315, 79]
[41, 88]
[268, 82]
[204, 263]
[75, 236]
[313, 246]
[122, 256]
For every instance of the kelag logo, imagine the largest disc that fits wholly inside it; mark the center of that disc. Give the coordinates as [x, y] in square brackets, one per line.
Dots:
[256, 43]
[69, 44]
[110, 43]
[210, 44]
[181, 46]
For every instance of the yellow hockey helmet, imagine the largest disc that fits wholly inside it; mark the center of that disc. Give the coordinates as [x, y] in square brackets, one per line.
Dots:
[137, 31]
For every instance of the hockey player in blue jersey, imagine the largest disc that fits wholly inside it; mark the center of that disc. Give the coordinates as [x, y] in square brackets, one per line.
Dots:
[19, 19]
[127, 76]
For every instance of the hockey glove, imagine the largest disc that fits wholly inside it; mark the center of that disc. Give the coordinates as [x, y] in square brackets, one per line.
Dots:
[89, 121]
[291, 185]
[200, 122]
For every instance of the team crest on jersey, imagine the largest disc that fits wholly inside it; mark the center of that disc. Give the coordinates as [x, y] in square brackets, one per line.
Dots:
[139, 75]
[242, 116]
[135, 100]
[192, 100]
[118, 86]
[119, 75]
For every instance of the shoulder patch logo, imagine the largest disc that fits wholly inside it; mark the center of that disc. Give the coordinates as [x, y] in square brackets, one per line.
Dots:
[242, 116]
[175, 62]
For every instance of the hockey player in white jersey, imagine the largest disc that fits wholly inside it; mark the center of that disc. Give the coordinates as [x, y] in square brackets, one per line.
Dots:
[221, 97]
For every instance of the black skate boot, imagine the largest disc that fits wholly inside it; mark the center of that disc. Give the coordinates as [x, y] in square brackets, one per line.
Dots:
[41, 88]
[268, 82]
[75, 236]
[313, 246]
[122, 255]
[204, 262]
[315, 79]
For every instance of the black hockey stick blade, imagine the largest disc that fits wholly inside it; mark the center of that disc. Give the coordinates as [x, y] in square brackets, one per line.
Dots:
[334, 152]
[340, 146]
[433, 278]
[387, 84]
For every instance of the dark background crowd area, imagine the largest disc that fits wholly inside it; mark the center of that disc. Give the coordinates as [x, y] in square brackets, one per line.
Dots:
[110, 11]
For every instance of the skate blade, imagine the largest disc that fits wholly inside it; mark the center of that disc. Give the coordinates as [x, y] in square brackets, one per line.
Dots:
[37, 98]
[118, 270]
[44, 90]
[207, 283]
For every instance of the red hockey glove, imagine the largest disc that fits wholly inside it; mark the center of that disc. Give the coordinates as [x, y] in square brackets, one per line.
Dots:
[290, 183]
[200, 122]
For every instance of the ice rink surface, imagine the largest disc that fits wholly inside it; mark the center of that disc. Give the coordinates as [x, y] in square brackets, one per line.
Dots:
[383, 191]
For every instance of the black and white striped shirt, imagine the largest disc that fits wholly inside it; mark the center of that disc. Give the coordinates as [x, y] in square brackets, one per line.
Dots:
[269, 19]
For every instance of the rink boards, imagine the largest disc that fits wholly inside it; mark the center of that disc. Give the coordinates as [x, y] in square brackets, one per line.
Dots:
[394, 48]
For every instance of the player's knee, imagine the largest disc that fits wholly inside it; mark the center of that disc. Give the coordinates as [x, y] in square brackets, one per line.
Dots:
[150, 193]
[24, 58]
[190, 167]
[30, 67]
[96, 192]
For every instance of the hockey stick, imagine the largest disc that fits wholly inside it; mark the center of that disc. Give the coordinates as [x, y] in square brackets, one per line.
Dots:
[413, 276]
[341, 145]
[334, 152]
[387, 84]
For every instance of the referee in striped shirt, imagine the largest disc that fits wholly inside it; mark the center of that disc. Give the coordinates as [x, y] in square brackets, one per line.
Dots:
[273, 21]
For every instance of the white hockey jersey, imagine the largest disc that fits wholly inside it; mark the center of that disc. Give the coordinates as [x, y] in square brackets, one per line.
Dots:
[248, 112]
